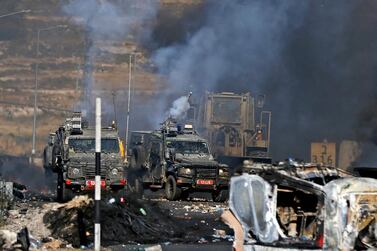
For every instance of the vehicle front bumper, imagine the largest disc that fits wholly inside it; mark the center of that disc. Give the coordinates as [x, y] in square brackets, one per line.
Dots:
[192, 183]
[89, 184]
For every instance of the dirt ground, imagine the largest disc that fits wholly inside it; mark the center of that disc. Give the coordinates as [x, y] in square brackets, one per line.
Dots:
[194, 222]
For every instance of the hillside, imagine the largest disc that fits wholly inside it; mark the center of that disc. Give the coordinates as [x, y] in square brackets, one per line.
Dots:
[61, 61]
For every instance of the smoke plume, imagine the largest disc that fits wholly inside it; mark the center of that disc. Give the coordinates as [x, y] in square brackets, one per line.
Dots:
[108, 20]
[314, 61]
[179, 108]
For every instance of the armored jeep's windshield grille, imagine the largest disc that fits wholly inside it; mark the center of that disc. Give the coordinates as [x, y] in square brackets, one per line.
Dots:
[90, 171]
[206, 173]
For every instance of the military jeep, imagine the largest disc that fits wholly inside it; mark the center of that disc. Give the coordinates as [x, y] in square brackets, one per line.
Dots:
[176, 159]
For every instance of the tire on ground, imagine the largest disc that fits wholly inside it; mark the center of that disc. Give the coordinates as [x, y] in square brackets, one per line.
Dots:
[172, 191]
[220, 195]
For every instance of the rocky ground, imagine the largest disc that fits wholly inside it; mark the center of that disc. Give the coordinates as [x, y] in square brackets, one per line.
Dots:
[153, 220]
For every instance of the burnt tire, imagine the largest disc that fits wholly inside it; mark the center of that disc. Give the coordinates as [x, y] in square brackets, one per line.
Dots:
[172, 191]
[220, 196]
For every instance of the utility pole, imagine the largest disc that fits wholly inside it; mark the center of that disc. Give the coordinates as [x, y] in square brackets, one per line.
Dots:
[36, 84]
[129, 100]
[15, 13]
[97, 191]
[115, 110]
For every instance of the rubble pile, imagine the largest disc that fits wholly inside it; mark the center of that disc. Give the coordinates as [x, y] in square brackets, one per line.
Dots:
[130, 222]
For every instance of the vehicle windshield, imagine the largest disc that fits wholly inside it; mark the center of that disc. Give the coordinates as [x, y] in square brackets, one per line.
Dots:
[188, 147]
[89, 145]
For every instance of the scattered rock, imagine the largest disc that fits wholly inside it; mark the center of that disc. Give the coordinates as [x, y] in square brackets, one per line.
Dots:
[54, 244]
[7, 239]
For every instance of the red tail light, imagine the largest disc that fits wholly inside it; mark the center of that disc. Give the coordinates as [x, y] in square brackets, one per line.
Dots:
[320, 241]
[123, 182]
[68, 182]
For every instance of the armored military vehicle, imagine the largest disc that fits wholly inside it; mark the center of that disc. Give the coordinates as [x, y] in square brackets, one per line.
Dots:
[177, 159]
[235, 125]
[71, 154]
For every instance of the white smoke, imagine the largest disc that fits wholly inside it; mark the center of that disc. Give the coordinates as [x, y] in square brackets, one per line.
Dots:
[179, 108]
[108, 21]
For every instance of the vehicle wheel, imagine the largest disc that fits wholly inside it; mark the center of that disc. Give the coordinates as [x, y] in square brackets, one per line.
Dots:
[63, 193]
[67, 193]
[133, 162]
[185, 195]
[49, 178]
[118, 194]
[139, 188]
[154, 189]
[137, 158]
[54, 158]
[220, 196]
[135, 184]
[59, 188]
[172, 192]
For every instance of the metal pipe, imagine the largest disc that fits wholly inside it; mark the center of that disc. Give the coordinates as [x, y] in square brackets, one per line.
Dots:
[128, 101]
[115, 110]
[97, 192]
[36, 83]
[269, 127]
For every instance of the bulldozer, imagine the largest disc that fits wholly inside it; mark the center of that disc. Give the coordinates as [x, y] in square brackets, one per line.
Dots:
[236, 127]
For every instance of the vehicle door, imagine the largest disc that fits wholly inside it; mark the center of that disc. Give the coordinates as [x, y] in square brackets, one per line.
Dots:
[155, 159]
[253, 202]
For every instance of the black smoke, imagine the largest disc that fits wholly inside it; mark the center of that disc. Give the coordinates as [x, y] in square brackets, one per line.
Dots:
[314, 60]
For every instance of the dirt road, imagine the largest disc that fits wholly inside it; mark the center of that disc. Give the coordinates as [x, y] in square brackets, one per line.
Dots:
[196, 223]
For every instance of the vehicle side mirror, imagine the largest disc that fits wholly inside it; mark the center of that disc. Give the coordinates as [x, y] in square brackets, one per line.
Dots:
[51, 141]
[140, 142]
[170, 154]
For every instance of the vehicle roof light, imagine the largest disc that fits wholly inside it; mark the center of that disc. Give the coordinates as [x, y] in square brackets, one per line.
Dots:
[188, 126]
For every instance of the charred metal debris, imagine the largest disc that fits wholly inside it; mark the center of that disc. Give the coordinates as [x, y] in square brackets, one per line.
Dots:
[303, 206]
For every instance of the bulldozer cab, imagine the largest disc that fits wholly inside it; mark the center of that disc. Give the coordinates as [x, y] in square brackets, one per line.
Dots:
[235, 125]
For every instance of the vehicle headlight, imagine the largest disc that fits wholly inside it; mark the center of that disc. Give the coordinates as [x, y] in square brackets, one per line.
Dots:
[74, 172]
[186, 171]
[222, 172]
[114, 172]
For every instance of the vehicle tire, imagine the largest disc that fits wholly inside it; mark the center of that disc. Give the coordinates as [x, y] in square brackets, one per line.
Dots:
[59, 188]
[67, 193]
[185, 195]
[118, 194]
[172, 192]
[138, 157]
[63, 193]
[153, 189]
[220, 196]
[139, 188]
[133, 162]
[54, 158]
[49, 178]
[135, 184]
